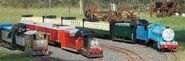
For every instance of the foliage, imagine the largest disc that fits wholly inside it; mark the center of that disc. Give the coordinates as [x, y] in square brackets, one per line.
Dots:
[74, 3]
[37, 3]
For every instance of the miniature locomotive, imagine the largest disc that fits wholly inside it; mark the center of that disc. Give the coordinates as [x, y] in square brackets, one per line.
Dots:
[157, 35]
[19, 38]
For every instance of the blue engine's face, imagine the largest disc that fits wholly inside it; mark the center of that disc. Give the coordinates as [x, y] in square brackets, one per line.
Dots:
[160, 33]
[163, 35]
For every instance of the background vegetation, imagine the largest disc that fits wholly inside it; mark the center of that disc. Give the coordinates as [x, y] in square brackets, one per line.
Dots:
[61, 3]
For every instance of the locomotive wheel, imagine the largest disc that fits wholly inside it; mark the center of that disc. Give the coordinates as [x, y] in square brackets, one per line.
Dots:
[150, 43]
[154, 45]
[57, 44]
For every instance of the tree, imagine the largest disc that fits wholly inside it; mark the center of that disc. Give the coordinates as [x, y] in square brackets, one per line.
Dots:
[3, 3]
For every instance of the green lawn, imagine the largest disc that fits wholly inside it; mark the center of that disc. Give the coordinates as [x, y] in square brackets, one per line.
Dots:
[7, 56]
[12, 15]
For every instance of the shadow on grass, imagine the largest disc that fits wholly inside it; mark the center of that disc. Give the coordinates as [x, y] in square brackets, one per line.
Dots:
[24, 57]
[4, 56]
[180, 37]
[47, 58]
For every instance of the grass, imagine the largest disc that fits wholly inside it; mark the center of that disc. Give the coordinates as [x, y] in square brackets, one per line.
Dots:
[12, 15]
[6, 56]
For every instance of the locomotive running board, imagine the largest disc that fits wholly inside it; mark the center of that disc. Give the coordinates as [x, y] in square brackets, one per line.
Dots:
[70, 49]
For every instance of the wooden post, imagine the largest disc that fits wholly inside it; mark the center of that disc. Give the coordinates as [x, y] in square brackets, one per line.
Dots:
[81, 6]
[49, 3]
[113, 6]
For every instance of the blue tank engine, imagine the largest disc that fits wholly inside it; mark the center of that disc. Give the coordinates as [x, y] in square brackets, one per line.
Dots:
[156, 35]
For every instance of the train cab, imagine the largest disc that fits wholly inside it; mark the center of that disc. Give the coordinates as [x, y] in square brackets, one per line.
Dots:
[80, 41]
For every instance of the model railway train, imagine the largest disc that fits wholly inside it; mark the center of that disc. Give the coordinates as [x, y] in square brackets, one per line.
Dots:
[69, 38]
[32, 42]
[157, 35]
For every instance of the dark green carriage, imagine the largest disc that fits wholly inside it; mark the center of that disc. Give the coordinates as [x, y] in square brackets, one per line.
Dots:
[122, 31]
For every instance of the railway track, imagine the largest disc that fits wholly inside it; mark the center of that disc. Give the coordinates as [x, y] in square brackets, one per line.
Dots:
[176, 58]
[170, 56]
[47, 58]
[132, 56]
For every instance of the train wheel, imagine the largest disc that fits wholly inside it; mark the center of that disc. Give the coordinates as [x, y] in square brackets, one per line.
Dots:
[154, 45]
[150, 43]
[57, 44]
